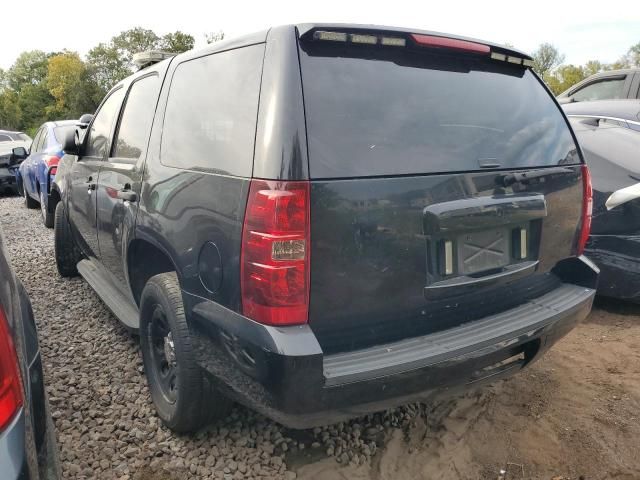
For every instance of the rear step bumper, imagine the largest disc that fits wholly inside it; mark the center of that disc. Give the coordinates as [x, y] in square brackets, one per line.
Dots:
[282, 372]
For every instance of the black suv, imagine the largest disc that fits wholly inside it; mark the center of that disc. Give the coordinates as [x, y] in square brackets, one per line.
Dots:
[320, 221]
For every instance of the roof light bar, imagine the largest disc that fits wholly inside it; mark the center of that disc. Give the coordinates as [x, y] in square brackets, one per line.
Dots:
[368, 39]
[331, 36]
[393, 41]
[511, 59]
[450, 43]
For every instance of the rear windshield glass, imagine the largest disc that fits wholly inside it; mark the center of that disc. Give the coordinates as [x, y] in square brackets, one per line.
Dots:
[392, 112]
[61, 131]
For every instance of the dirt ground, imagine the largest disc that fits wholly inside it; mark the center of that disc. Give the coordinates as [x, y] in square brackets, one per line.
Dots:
[575, 414]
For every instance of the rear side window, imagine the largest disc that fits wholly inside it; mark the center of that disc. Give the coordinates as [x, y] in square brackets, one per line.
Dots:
[210, 119]
[390, 111]
[5, 138]
[133, 132]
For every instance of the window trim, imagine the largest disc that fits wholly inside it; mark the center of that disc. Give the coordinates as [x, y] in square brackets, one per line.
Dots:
[116, 131]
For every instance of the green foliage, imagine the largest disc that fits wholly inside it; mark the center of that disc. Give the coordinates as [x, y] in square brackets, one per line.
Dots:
[177, 42]
[214, 36]
[546, 58]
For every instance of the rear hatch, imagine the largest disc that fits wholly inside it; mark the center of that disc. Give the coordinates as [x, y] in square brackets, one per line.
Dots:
[421, 219]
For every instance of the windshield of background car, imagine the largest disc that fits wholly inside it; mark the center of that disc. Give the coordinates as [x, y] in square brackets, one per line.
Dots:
[393, 111]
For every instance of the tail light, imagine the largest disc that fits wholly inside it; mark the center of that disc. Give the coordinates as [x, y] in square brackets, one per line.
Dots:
[450, 43]
[275, 253]
[52, 161]
[10, 390]
[587, 211]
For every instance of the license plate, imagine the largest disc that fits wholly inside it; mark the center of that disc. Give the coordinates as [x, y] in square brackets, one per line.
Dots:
[484, 250]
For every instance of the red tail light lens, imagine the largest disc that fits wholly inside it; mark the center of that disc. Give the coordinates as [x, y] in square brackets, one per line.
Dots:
[450, 43]
[275, 253]
[10, 390]
[587, 210]
[52, 160]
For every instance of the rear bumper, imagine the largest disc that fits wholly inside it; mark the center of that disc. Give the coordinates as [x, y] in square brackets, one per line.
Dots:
[282, 372]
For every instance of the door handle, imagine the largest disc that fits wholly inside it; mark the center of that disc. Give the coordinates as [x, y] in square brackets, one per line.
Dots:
[90, 188]
[127, 195]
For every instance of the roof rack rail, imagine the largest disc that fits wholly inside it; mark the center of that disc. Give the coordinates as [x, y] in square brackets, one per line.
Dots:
[149, 57]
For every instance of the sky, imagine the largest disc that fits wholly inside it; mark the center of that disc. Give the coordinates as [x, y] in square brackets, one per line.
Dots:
[582, 30]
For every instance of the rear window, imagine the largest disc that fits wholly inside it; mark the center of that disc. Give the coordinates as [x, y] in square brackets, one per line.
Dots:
[391, 111]
[61, 131]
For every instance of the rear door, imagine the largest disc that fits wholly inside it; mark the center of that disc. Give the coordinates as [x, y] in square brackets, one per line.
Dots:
[84, 174]
[418, 223]
[120, 176]
[29, 181]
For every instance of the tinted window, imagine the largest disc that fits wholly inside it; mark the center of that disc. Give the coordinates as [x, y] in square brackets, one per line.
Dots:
[408, 112]
[605, 89]
[98, 135]
[5, 138]
[140, 106]
[210, 120]
[60, 132]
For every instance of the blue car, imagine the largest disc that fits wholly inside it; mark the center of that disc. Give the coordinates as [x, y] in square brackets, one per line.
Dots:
[37, 171]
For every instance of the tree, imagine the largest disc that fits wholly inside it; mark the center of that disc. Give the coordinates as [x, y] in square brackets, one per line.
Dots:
[132, 41]
[30, 68]
[546, 58]
[593, 66]
[177, 42]
[564, 77]
[214, 36]
[64, 76]
[634, 55]
[106, 67]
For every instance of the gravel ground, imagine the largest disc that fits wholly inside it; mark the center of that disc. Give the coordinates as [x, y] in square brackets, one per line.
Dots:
[101, 406]
[572, 415]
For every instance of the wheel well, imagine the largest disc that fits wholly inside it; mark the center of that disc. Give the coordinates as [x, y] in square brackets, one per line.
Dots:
[144, 260]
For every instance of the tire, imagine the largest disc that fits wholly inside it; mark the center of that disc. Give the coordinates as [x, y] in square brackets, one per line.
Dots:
[67, 253]
[28, 201]
[184, 399]
[47, 216]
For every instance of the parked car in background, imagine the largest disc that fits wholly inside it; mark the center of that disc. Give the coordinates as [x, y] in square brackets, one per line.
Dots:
[609, 134]
[416, 228]
[20, 139]
[9, 164]
[27, 438]
[37, 171]
[609, 85]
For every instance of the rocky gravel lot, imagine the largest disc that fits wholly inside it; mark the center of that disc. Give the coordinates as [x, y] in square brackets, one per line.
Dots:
[573, 415]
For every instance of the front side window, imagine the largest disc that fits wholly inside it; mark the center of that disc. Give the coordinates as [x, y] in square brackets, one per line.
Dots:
[5, 138]
[212, 109]
[133, 132]
[602, 90]
[98, 135]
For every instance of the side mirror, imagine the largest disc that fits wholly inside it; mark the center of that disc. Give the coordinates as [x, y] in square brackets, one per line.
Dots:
[84, 120]
[20, 153]
[70, 145]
